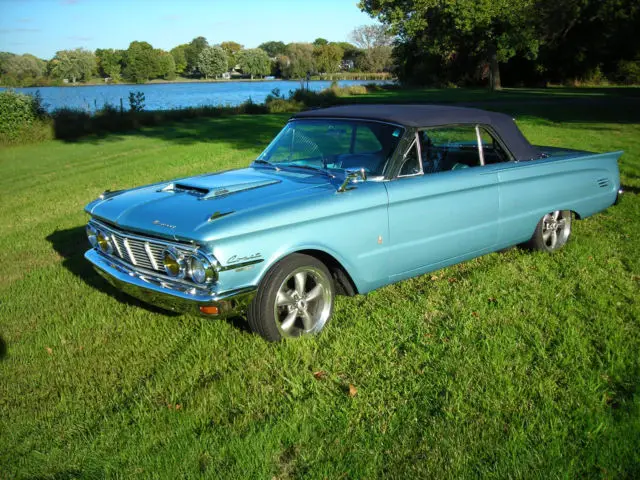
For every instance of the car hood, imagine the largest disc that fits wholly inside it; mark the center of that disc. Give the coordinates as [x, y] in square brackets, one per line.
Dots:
[181, 209]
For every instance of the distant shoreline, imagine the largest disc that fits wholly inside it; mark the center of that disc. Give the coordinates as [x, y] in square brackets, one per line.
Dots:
[152, 82]
[199, 80]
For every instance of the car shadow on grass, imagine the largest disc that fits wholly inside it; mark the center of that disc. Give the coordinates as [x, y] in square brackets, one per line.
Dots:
[71, 244]
[630, 189]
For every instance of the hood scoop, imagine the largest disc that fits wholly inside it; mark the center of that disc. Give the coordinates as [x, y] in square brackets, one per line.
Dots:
[190, 189]
[207, 193]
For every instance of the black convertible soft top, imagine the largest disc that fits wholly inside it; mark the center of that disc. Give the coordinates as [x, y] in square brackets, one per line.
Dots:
[419, 116]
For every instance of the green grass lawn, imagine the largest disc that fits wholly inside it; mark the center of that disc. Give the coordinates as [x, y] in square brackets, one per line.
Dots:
[511, 365]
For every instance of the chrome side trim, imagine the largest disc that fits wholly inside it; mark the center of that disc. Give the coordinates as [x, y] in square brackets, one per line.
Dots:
[233, 266]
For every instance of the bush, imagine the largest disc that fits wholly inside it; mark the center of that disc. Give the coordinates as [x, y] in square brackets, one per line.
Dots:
[595, 77]
[249, 107]
[16, 112]
[21, 116]
[136, 101]
[71, 123]
[357, 90]
[628, 72]
[310, 99]
[281, 105]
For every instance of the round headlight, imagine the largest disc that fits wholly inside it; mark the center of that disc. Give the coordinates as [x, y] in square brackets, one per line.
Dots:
[104, 242]
[174, 263]
[92, 233]
[200, 269]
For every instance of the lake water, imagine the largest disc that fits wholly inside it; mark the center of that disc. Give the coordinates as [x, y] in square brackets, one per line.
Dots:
[165, 96]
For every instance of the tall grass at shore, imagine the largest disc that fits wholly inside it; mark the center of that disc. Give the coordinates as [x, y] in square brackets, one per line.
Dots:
[354, 76]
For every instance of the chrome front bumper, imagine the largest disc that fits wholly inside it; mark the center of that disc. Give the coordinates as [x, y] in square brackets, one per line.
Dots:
[169, 295]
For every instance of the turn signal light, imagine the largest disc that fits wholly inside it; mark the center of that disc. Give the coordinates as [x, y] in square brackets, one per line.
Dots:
[210, 310]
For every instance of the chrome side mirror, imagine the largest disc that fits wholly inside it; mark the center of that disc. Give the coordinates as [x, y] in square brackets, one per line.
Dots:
[353, 175]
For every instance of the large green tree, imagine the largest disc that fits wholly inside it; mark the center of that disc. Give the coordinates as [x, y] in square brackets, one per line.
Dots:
[328, 57]
[254, 61]
[212, 62]
[232, 49]
[349, 49]
[351, 53]
[4, 56]
[494, 30]
[299, 60]
[374, 42]
[21, 69]
[166, 65]
[192, 53]
[580, 37]
[109, 62]
[180, 58]
[141, 62]
[74, 65]
[273, 48]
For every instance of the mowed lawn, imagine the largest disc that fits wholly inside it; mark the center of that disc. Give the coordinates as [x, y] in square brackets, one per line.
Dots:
[511, 365]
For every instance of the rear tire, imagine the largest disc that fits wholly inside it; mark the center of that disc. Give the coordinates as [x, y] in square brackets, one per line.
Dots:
[294, 298]
[552, 232]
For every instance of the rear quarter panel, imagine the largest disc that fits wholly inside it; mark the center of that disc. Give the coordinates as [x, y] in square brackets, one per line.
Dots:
[583, 183]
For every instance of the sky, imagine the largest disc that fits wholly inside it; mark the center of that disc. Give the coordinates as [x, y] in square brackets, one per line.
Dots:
[42, 27]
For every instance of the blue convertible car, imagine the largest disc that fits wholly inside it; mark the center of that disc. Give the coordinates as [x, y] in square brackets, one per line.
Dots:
[343, 201]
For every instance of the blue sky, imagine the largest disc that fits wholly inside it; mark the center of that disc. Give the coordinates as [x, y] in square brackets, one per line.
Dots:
[42, 27]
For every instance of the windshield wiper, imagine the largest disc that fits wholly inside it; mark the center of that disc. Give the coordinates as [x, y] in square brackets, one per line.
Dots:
[309, 167]
[264, 162]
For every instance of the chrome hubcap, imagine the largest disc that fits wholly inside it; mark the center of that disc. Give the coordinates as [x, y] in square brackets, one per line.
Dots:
[556, 227]
[303, 302]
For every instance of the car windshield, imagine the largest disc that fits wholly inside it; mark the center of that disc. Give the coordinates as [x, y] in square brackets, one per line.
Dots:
[334, 145]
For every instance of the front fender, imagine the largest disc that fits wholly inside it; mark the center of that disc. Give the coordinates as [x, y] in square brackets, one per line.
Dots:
[354, 231]
[348, 266]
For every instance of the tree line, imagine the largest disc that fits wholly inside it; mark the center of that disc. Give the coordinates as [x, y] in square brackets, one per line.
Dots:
[141, 62]
[524, 42]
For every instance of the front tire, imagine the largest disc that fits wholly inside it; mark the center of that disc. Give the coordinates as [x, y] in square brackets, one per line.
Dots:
[294, 298]
[552, 232]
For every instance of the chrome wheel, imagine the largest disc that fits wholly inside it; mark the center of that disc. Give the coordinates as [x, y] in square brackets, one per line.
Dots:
[556, 228]
[303, 302]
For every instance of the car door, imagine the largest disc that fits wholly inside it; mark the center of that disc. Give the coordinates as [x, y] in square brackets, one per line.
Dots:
[443, 205]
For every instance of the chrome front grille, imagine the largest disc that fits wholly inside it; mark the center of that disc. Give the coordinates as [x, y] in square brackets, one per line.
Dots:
[138, 251]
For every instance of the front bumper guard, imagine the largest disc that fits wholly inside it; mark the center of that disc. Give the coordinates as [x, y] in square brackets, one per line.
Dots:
[169, 295]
